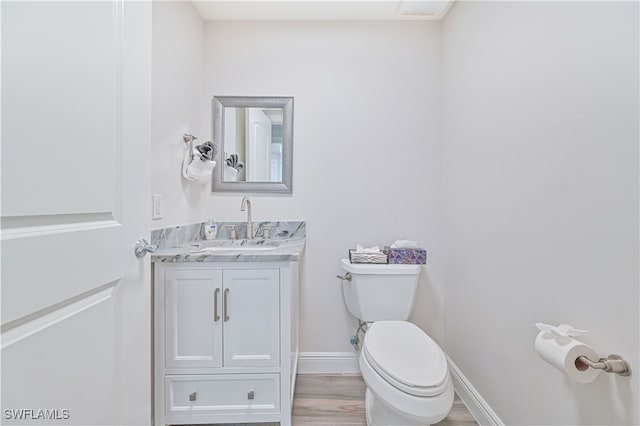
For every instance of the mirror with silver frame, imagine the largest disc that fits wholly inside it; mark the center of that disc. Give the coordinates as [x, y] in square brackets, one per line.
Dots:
[255, 137]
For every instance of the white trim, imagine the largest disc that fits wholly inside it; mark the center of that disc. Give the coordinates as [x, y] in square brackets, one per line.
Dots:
[478, 407]
[328, 363]
[296, 10]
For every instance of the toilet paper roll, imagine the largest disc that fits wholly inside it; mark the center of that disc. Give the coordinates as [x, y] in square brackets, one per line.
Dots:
[562, 353]
[200, 170]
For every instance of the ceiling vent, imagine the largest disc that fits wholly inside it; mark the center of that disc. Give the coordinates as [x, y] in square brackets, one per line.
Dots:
[424, 9]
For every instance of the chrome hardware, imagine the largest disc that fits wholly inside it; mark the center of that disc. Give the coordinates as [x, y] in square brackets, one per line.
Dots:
[346, 276]
[266, 231]
[226, 307]
[251, 395]
[611, 364]
[188, 138]
[143, 247]
[246, 205]
[355, 339]
[216, 317]
[193, 396]
[233, 231]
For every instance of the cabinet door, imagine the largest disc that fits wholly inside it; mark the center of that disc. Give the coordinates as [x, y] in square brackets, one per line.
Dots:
[193, 318]
[252, 318]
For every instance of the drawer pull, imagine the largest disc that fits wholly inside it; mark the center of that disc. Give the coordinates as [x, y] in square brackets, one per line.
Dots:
[216, 317]
[193, 396]
[251, 395]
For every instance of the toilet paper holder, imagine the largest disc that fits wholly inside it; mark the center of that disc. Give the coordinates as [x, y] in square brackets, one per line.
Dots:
[611, 364]
[555, 345]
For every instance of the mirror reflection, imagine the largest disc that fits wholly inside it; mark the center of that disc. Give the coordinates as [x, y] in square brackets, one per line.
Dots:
[255, 137]
[253, 140]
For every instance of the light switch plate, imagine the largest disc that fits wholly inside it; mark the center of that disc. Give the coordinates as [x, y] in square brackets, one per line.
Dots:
[157, 206]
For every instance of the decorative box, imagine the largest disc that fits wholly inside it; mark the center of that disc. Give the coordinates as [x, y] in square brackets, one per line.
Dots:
[414, 256]
[367, 257]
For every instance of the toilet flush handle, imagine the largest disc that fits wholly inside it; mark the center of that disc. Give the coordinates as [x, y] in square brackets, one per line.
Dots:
[346, 276]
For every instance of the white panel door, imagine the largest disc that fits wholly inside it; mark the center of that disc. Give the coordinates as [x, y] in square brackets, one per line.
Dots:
[252, 318]
[75, 194]
[258, 147]
[193, 327]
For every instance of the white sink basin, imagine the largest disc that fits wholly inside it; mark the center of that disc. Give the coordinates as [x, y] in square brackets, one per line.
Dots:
[231, 248]
[231, 245]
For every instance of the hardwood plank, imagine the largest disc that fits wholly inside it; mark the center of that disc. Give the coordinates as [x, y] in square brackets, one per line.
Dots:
[347, 386]
[458, 416]
[339, 400]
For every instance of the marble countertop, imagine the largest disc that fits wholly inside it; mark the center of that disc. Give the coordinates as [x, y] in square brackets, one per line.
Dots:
[286, 251]
[185, 244]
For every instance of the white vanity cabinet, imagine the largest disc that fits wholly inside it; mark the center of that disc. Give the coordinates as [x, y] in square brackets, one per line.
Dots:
[225, 342]
[209, 315]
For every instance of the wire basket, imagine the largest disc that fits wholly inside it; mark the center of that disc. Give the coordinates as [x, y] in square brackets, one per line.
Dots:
[381, 258]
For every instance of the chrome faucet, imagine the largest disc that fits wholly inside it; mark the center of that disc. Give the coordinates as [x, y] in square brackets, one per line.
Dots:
[246, 204]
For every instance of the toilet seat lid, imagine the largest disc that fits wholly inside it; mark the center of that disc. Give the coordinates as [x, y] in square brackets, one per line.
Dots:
[406, 355]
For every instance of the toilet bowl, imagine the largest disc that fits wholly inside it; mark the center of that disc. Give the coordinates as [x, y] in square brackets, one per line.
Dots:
[405, 371]
[406, 374]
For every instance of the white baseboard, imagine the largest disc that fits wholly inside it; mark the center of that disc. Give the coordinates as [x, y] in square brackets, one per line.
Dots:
[478, 407]
[328, 363]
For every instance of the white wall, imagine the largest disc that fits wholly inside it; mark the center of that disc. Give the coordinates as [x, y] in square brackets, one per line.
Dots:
[366, 147]
[540, 166]
[178, 106]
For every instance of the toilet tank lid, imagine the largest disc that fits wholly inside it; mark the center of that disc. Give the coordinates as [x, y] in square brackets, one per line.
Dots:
[406, 353]
[377, 269]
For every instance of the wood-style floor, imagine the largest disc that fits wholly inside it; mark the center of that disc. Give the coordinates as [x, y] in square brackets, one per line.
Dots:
[339, 400]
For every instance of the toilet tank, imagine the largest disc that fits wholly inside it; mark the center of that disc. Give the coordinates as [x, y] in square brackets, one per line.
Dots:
[380, 292]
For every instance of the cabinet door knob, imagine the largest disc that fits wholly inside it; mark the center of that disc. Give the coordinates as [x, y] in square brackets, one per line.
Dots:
[193, 396]
[251, 395]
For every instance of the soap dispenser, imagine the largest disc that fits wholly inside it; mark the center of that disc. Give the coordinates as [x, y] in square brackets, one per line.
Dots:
[210, 230]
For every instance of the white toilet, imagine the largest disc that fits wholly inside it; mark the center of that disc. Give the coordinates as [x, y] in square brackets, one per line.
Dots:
[406, 374]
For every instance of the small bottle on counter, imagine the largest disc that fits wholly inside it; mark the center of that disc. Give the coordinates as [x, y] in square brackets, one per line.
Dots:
[210, 230]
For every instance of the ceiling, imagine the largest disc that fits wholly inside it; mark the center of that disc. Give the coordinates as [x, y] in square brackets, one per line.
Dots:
[264, 10]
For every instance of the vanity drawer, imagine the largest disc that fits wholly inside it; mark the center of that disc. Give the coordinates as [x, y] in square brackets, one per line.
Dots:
[221, 394]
